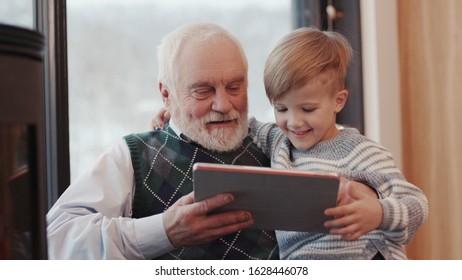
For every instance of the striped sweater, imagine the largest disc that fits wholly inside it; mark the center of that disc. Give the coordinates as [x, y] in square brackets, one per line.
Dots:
[355, 157]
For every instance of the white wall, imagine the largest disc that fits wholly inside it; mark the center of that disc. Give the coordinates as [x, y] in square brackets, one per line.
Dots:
[382, 105]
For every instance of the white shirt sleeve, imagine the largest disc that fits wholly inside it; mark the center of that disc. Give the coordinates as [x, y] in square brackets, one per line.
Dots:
[92, 218]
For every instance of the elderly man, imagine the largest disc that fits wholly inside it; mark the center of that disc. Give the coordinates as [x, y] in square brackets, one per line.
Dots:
[136, 201]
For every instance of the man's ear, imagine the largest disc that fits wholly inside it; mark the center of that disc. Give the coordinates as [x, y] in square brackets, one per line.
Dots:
[340, 100]
[165, 92]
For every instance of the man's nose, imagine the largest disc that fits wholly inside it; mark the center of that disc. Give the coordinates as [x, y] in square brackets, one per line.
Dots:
[222, 102]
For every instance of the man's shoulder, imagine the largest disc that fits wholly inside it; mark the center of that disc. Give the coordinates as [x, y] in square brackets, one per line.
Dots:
[146, 135]
[147, 138]
[142, 135]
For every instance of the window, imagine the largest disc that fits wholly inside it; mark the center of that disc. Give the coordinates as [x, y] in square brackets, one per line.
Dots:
[19, 13]
[112, 61]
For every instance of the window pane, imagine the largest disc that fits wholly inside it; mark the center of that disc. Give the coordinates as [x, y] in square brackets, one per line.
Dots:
[112, 61]
[18, 12]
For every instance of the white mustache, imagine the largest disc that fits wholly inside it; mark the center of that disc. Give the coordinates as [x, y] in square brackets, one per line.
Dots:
[219, 117]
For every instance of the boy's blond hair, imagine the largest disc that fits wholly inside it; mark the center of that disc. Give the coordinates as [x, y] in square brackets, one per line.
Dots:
[302, 55]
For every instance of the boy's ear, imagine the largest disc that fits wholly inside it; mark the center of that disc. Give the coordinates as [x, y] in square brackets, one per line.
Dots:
[341, 100]
[164, 91]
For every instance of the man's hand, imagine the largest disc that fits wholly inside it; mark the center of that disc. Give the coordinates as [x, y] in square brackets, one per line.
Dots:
[187, 223]
[358, 211]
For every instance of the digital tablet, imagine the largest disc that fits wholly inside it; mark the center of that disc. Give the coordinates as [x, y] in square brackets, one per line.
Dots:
[278, 199]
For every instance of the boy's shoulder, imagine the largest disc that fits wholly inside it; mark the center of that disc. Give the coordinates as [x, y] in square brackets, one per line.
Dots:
[356, 139]
[353, 133]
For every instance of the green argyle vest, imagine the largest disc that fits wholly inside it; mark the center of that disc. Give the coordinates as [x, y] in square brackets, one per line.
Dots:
[163, 162]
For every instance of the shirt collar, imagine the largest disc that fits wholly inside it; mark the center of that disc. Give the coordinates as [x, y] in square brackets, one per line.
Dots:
[174, 127]
[178, 131]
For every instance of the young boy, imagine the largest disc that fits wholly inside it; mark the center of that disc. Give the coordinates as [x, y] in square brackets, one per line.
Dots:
[304, 81]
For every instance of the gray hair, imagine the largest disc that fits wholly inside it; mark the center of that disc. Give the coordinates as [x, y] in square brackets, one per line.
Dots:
[169, 49]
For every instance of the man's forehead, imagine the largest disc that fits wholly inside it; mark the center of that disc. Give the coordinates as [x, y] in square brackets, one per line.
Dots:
[210, 81]
[210, 53]
[212, 63]
[205, 71]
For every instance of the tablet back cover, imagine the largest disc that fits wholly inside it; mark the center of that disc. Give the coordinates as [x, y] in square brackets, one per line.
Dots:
[278, 199]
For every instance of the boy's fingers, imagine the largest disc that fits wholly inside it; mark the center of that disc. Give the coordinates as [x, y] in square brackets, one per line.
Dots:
[338, 211]
[340, 222]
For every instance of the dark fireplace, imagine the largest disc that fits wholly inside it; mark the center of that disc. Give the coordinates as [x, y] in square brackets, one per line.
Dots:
[22, 145]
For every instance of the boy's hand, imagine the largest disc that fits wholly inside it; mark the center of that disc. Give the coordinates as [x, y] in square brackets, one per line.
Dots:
[160, 118]
[344, 196]
[358, 211]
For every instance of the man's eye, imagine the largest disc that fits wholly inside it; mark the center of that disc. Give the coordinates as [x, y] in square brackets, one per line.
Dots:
[202, 93]
[234, 88]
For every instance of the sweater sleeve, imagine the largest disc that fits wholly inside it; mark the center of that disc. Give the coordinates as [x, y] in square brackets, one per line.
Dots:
[405, 206]
[265, 136]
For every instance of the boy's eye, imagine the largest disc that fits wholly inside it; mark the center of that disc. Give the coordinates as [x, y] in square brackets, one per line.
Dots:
[308, 110]
[281, 110]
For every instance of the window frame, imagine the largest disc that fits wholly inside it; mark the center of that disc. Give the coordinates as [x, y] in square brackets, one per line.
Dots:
[50, 20]
[313, 13]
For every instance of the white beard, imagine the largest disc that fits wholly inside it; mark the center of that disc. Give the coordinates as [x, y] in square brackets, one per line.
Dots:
[220, 139]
